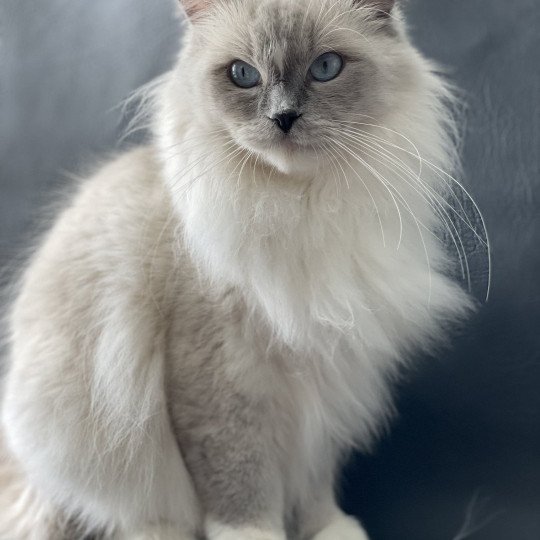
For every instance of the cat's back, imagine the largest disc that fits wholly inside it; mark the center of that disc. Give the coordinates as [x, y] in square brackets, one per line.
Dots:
[113, 226]
[108, 251]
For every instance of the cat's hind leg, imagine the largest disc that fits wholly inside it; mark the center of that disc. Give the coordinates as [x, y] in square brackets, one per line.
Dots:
[98, 443]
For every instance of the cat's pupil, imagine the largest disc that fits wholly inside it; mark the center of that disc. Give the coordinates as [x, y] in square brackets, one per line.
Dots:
[325, 65]
[243, 71]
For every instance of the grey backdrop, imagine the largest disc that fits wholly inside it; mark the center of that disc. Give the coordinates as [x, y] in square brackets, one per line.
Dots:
[470, 420]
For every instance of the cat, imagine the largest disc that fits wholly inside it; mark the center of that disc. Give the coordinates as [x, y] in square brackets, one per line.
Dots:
[215, 321]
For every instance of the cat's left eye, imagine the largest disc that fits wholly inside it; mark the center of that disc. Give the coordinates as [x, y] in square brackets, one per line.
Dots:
[244, 75]
[326, 67]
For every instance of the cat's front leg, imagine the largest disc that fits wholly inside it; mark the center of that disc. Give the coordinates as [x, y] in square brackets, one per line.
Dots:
[231, 455]
[246, 500]
[219, 531]
[248, 510]
[156, 532]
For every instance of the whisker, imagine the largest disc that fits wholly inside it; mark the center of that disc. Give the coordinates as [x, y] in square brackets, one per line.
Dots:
[428, 197]
[335, 170]
[383, 182]
[416, 153]
[375, 206]
[338, 28]
[326, 13]
[445, 177]
[191, 165]
[306, 16]
[244, 162]
[227, 156]
[418, 223]
[434, 197]
[339, 14]
[377, 140]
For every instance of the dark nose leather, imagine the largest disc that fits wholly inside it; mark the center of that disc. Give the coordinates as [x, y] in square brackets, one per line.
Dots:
[286, 120]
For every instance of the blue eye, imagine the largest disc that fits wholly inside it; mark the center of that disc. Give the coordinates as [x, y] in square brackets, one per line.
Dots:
[244, 75]
[327, 67]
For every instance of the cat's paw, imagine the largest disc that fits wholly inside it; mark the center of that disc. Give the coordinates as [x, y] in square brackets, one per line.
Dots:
[342, 528]
[157, 532]
[218, 531]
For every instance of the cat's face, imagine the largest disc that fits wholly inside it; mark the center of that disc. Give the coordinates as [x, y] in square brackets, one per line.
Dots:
[284, 76]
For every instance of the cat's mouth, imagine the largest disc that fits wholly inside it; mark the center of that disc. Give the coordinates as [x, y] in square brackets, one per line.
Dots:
[293, 141]
[288, 151]
[287, 154]
[289, 144]
[285, 143]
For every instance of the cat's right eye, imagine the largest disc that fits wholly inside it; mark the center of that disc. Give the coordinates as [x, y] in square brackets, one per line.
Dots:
[244, 75]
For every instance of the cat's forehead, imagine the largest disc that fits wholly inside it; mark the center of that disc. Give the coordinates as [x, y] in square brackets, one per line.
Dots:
[281, 34]
[278, 32]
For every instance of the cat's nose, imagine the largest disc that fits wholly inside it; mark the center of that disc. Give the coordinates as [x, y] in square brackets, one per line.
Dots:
[285, 120]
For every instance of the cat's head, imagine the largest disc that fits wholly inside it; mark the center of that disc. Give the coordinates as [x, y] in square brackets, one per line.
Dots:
[284, 77]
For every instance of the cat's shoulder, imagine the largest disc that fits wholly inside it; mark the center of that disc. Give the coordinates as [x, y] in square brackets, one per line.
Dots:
[124, 199]
[134, 175]
[117, 228]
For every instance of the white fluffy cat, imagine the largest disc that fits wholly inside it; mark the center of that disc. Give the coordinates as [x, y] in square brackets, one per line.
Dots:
[215, 320]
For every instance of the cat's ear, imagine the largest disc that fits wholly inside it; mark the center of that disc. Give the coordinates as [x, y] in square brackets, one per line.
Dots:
[195, 8]
[382, 8]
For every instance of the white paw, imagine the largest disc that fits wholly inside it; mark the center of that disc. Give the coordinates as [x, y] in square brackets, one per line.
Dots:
[157, 532]
[218, 531]
[342, 528]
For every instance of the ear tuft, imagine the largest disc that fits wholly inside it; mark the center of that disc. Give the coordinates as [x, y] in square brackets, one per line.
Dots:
[383, 8]
[194, 8]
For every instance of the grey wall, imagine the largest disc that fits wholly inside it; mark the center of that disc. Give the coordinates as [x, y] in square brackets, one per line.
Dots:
[470, 419]
[65, 66]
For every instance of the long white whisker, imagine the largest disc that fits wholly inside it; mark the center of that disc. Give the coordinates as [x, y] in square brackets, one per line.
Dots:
[306, 16]
[379, 140]
[428, 197]
[191, 165]
[419, 225]
[340, 14]
[375, 206]
[444, 176]
[227, 156]
[335, 170]
[439, 173]
[382, 181]
[433, 198]
[338, 28]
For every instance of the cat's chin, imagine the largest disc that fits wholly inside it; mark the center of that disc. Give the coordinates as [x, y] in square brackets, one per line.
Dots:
[290, 160]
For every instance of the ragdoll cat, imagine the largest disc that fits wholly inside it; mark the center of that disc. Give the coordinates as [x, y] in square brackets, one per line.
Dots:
[214, 322]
